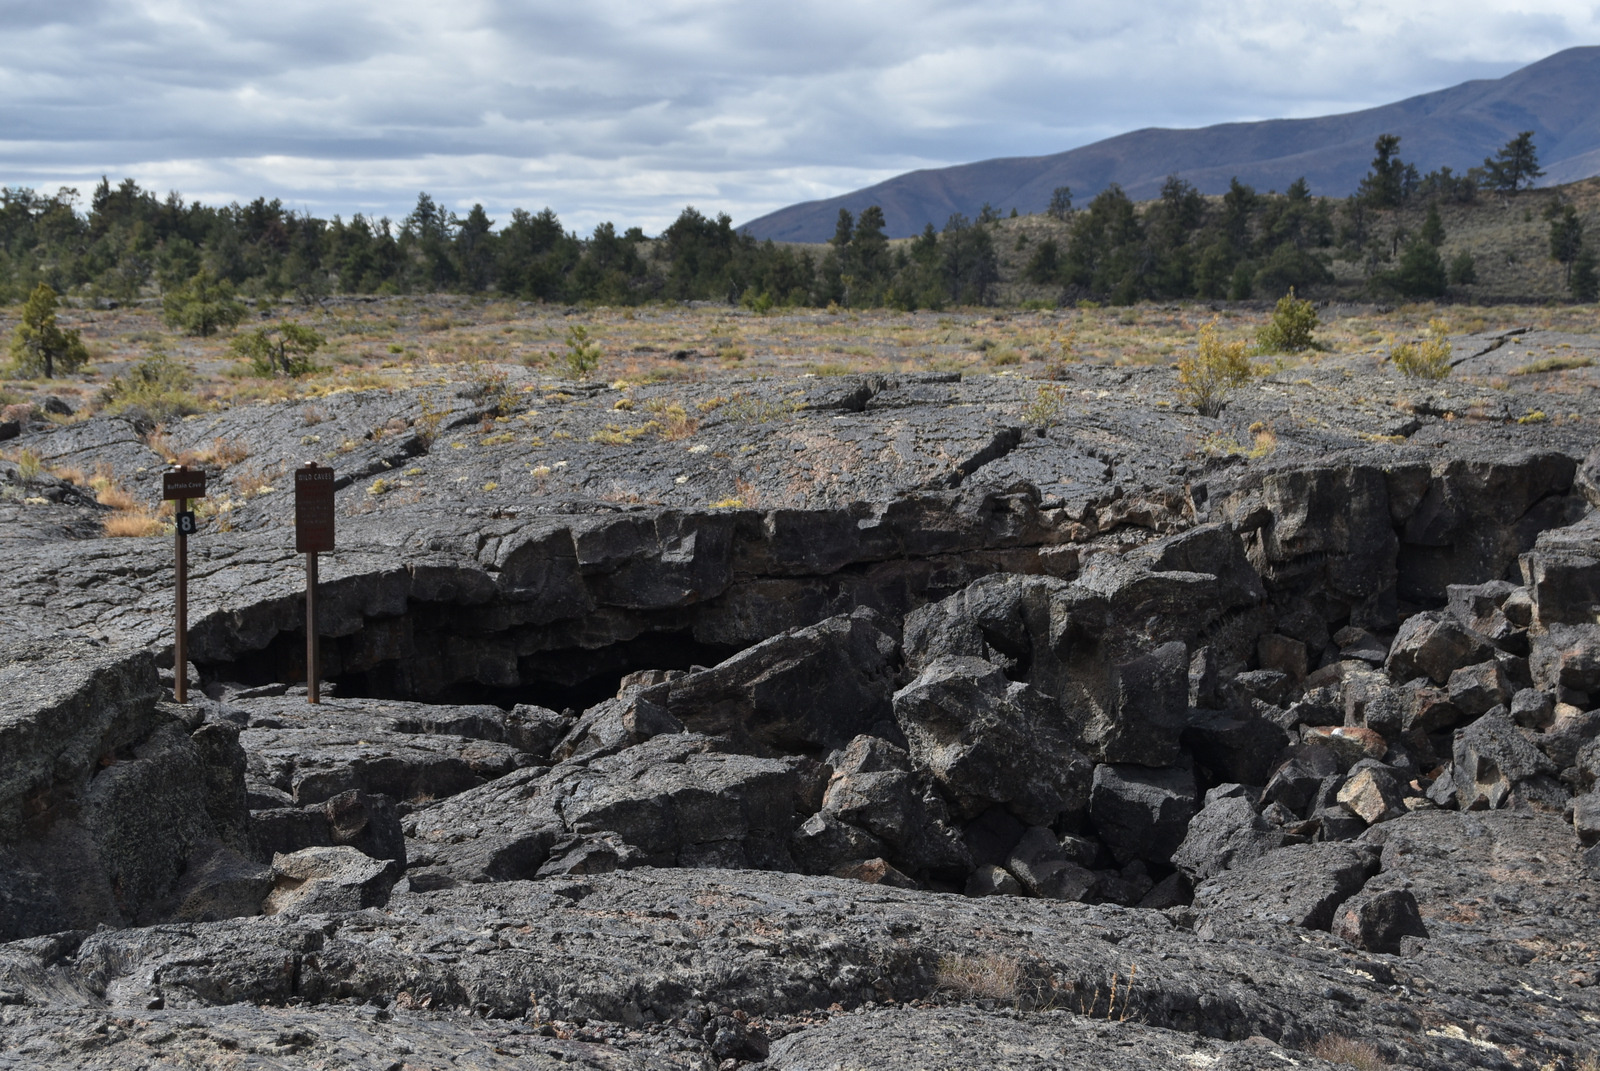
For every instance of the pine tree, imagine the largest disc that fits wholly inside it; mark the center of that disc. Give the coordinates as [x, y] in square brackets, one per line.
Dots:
[1384, 186]
[202, 305]
[1566, 236]
[1513, 165]
[1433, 227]
[1463, 269]
[39, 346]
[1584, 280]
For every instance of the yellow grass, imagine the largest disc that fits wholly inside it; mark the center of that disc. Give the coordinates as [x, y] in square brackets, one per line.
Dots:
[133, 525]
[118, 499]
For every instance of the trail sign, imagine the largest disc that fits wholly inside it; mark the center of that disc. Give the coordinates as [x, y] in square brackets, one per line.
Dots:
[313, 508]
[183, 483]
[313, 534]
[180, 485]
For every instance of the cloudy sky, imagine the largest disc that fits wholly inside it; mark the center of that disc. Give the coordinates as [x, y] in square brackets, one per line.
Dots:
[627, 110]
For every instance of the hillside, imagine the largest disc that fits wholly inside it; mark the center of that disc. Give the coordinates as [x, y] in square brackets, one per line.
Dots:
[1509, 243]
[1557, 98]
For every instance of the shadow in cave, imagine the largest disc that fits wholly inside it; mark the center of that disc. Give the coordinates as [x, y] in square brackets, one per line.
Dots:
[570, 678]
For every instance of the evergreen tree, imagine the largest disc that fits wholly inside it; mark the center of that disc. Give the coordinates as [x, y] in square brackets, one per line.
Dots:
[202, 305]
[1566, 236]
[1515, 164]
[1060, 203]
[971, 267]
[843, 229]
[868, 262]
[288, 348]
[1420, 274]
[1433, 227]
[474, 250]
[1463, 269]
[919, 275]
[1106, 253]
[39, 346]
[1044, 264]
[1584, 280]
[1384, 185]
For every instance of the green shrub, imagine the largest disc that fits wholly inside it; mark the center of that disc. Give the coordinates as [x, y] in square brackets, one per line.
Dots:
[1289, 330]
[154, 391]
[1421, 273]
[202, 306]
[1206, 376]
[582, 356]
[287, 348]
[1048, 407]
[1427, 359]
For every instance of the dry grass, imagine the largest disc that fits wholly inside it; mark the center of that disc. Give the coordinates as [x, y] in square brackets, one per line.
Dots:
[258, 481]
[1553, 364]
[117, 498]
[1362, 1055]
[134, 524]
[985, 977]
[224, 453]
[673, 422]
[28, 465]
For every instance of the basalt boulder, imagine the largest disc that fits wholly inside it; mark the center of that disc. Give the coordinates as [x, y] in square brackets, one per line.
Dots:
[106, 793]
[875, 788]
[677, 799]
[1300, 885]
[811, 689]
[1434, 644]
[989, 740]
[1142, 813]
[1227, 832]
[1495, 765]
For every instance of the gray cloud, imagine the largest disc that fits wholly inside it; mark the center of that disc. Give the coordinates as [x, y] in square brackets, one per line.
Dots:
[623, 110]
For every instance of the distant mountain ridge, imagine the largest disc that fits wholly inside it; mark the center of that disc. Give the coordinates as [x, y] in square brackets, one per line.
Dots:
[1558, 98]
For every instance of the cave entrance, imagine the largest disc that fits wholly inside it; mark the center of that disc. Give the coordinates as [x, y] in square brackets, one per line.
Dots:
[449, 668]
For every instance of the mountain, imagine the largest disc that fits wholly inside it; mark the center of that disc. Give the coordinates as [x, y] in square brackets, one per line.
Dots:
[1557, 98]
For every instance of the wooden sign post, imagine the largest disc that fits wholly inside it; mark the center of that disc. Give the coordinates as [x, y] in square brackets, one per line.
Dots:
[313, 534]
[179, 486]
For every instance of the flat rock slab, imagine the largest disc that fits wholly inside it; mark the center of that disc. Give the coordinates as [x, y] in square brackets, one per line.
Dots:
[904, 1039]
[523, 728]
[1300, 885]
[408, 751]
[676, 799]
[353, 1035]
[613, 947]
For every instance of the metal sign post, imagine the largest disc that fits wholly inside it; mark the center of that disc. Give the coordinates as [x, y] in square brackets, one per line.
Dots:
[313, 534]
[179, 486]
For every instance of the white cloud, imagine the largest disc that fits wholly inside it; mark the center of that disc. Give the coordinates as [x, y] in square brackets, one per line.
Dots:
[617, 109]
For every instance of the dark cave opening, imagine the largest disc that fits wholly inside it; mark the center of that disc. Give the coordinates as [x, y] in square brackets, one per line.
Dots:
[431, 668]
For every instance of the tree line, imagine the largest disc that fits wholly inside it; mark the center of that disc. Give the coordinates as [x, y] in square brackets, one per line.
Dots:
[1246, 244]
[129, 241]
[1183, 245]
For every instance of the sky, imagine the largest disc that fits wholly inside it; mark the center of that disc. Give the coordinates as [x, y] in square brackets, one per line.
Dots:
[627, 110]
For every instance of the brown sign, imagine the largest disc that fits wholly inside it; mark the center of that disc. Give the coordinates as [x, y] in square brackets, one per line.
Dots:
[182, 483]
[313, 509]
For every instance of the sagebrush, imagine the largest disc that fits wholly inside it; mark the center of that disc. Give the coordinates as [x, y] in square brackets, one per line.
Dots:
[1216, 368]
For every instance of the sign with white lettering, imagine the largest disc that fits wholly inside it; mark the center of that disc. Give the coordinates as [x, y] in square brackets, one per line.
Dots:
[183, 482]
[313, 509]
